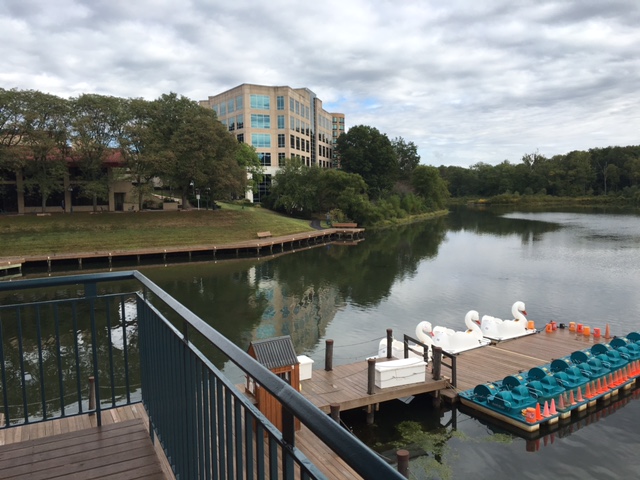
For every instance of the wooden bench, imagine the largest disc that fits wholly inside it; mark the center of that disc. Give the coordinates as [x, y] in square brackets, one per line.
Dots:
[345, 225]
[264, 234]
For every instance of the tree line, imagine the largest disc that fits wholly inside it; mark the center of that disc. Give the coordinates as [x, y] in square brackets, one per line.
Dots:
[172, 138]
[595, 172]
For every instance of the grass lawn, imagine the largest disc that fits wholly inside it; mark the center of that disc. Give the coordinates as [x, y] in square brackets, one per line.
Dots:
[26, 235]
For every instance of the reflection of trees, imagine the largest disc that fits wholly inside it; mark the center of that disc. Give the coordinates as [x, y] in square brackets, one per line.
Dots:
[221, 295]
[364, 273]
[489, 220]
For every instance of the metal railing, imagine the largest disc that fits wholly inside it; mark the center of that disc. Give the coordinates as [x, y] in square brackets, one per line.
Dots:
[153, 352]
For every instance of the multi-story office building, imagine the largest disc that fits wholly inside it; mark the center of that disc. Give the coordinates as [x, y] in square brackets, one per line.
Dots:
[281, 123]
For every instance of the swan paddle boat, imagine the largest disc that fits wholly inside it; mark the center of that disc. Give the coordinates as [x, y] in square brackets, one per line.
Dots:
[498, 330]
[454, 342]
[423, 334]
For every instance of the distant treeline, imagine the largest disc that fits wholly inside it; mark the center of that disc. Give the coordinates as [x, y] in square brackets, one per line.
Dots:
[598, 171]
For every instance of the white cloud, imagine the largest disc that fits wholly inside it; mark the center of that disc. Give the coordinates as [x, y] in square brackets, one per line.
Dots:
[465, 81]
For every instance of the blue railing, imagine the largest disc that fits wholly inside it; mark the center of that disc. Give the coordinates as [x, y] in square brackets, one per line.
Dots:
[147, 346]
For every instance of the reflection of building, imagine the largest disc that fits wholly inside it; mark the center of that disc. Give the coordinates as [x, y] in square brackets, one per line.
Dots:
[304, 318]
[280, 122]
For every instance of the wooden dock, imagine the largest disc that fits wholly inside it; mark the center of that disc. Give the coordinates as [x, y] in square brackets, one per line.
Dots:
[247, 248]
[347, 386]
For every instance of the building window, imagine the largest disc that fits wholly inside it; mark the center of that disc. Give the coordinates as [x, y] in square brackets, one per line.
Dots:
[232, 124]
[297, 125]
[239, 102]
[281, 161]
[281, 140]
[297, 143]
[260, 121]
[292, 123]
[291, 105]
[307, 146]
[281, 122]
[280, 102]
[215, 109]
[260, 102]
[265, 159]
[240, 121]
[231, 105]
[298, 107]
[306, 112]
[240, 137]
[263, 189]
[223, 109]
[292, 141]
[261, 140]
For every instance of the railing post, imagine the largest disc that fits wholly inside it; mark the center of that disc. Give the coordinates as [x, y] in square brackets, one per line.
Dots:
[402, 457]
[437, 362]
[92, 394]
[328, 356]
[389, 342]
[372, 376]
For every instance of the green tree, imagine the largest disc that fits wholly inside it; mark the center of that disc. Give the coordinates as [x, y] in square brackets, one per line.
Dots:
[369, 153]
[97, 126]
[193, 149]
[428, 183]
[407, 157]
[248, 158]
[294, 189]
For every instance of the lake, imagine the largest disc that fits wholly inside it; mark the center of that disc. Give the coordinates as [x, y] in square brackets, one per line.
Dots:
[566, 266]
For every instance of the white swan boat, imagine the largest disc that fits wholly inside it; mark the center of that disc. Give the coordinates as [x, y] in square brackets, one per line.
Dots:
[498, 330]
[454, 342]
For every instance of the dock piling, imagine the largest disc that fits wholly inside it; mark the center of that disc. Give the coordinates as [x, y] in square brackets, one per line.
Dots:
[92, 394]
[371, 383]
[328, 355]
[437, 362]
[389, 342]
[335, 411]
[402, 457]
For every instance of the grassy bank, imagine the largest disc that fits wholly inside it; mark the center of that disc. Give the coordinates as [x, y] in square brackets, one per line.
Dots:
[27, 235]
[547, 200]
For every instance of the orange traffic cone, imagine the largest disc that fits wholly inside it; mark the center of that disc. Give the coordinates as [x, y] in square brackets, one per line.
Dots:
[552, 409]
[599, 387]
[538, 414]
[580, 398]
[561, 405]
[607, 332]
[545, 412]
[572, 400]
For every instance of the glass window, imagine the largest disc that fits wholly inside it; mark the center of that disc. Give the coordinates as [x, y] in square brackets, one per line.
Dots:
[260, 102]
[231, 105]
[265, 159]
[297, 124]
[306, 112]
[280, 102]
[232, 124]
[291, 105]
[240, 121]
[281, 141]
[292, 141]
[223, 109]
[281, 122]
[261, 140]
[297, 143]
[260, 121]
[298, 107]
[215, 109]
[292, 123]
[239, 102]
[281, 162]
[240, 137]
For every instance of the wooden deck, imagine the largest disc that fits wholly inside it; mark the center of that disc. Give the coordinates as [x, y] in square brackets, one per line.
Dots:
[494, 362]
[257, 247]
[76, 448]
[346, 385]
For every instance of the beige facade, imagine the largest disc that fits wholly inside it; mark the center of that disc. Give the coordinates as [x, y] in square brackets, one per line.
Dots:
[281, 123]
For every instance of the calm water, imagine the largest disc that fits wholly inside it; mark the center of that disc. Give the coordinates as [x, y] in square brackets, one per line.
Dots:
[565, 266]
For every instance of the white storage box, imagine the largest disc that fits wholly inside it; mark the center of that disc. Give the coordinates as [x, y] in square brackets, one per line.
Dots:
[306, 367]
[400, 372]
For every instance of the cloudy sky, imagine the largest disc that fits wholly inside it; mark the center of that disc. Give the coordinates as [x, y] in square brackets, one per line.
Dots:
[466, 80]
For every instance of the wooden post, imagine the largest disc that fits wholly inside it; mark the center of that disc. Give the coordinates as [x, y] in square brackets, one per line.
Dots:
[437, 362]
[328, 356]
[372, 376]
[92, 394]
[389, 342]
[335, 411]
[402, 457]
[370, 414]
